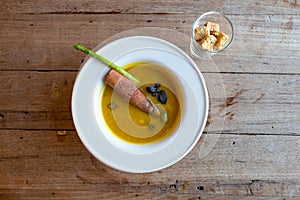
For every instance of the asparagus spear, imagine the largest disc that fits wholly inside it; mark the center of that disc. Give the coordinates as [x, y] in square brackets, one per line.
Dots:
[108, 63]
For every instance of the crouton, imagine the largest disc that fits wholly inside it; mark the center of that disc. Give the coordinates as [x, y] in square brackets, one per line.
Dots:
[212, 26]
[221, 40]
[208, 42]
[200, 33]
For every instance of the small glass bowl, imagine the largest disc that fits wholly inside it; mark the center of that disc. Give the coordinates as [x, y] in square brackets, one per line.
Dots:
[225, 27]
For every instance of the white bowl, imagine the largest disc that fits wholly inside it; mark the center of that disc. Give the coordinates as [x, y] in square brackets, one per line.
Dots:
[124, 156]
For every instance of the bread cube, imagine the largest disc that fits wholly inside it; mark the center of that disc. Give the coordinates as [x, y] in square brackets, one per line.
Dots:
[221, 40]
[208, 42]
[212, 26]
[215, 33]
[200, 33]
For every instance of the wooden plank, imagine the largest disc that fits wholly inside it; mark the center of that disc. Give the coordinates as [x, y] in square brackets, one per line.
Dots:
[66, 157]
[42, 100]
[60, 194]
[50, 120]
[255, 157]
[150, 7]
[262, 44]
[36, 91]
[252, 101]
[36, 162]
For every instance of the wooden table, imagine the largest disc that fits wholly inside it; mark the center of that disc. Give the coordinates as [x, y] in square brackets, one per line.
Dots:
[256, 155]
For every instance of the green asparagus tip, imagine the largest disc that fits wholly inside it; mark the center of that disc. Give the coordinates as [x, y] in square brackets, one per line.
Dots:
[81, 48]
[77, 46]
[108, 63]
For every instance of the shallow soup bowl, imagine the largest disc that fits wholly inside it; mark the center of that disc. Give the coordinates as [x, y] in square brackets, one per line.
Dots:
[136, 158]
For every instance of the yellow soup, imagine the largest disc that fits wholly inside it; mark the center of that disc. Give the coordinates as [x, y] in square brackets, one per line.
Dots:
[132, 125]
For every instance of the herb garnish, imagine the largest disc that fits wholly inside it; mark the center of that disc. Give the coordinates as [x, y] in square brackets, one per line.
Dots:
[160, 95]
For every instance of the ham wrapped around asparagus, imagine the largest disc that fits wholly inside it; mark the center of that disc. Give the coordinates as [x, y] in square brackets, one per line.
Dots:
[129, 91]
[125, 85]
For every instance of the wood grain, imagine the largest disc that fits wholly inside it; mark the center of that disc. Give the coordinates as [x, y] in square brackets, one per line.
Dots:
[256, 154]
[60, 164]
[50, 39]
[151, 7]
[36, 91]
[252, 104]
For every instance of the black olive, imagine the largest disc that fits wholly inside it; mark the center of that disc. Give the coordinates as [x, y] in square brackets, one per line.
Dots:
[162, 97]
[151, 89]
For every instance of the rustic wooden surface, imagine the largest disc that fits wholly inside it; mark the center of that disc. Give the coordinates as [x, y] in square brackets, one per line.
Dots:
[256, 155]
